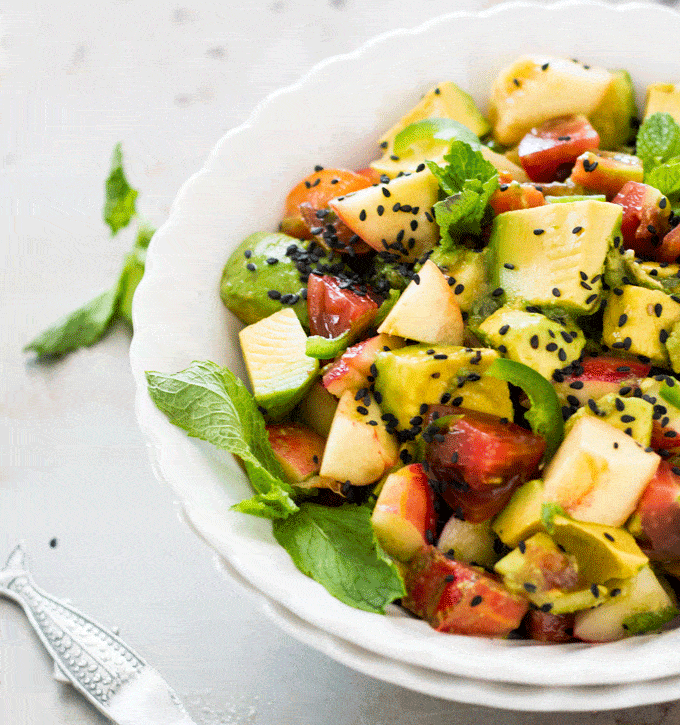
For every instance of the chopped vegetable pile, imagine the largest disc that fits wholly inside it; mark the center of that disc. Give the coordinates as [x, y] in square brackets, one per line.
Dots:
[462, 363]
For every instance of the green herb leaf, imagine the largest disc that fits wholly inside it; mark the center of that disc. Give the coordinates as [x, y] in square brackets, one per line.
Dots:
[81, 328]
[658, 140]
[119, 207]
[649, 621]
[469, 180]
[133, 271]
[337, 548]
[666, 178]
[209, 402]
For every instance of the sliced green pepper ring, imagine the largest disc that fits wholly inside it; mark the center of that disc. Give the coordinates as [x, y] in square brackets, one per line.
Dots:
[432, 134]
[545, 413]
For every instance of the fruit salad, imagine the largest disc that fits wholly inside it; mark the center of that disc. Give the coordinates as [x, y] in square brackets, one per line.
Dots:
[462, 359]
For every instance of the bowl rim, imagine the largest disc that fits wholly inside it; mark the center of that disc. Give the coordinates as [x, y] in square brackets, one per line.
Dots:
[160, 433]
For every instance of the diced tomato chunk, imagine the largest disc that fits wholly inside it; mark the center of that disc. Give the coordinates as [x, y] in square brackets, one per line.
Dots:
[483, 450]
[548, 152]
[512, 196]
[330, 231]
[317, 190]
[458, 598]
[659, 512]
[669, 251]
[606, 172]
[334, 310]
[645, 220]
[547, 627]
[612, 369]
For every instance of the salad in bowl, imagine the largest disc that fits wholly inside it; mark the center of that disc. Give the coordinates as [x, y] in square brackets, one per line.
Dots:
[460, 345]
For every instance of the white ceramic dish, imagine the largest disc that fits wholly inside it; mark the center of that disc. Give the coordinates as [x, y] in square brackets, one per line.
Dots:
[333, 117]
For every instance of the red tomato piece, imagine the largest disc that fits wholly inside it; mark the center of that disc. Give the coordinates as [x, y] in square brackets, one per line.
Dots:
[477, 506]
[659, 512]
[460, 599]
[549, 152]
[606, 172]
[606, 368]
[547, 627]
[645, 217]
[331, 232]
[317, 190]
[669, 251]
[482, 450]
[512, 196]
[333, 310]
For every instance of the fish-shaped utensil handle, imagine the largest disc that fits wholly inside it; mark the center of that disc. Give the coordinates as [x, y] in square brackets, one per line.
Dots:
[112, 676]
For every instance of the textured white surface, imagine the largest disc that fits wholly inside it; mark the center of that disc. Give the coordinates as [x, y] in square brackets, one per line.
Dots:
[166, 79]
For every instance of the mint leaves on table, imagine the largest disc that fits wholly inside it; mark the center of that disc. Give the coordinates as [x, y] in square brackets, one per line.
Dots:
[333, 545]
[658, 145]
[337, 548]
[89, 323]
[468, 180]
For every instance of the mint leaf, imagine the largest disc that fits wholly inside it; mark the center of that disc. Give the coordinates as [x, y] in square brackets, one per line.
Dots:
[464, 164]
[649, 621]
[665, 178]
[469, 180]
[119, 207]
[209, 402]
[337, 548]
[133, 271]
[81, 328]
[658, 140]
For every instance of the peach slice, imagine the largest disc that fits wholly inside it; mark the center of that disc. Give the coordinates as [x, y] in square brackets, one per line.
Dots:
[298, 449]
[404, 512]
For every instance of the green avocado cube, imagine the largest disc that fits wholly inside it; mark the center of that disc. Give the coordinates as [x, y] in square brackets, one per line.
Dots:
[521, 518]
[280, 372]
[554, 255]
[639, 321]
[533, 339]
[418, 375]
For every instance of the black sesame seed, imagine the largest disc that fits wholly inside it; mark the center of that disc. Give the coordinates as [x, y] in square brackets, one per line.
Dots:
[608, 536]
[274, 294]
[529, 586]
[590, 299]
[459, 289]
[623, 319]
[551, 347]
[386, 192]
[576, 385]
[576, 230]
[534, 342]
[663, 336]
[538, 232]
[251, 267]
[497, 292]
[595, 590]
[503, 330]
[658, 309]
[588, 166]
[516, 82]
[556, 292]
[477, 599]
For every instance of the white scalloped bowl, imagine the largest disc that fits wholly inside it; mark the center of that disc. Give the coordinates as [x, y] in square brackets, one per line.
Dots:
[333, 116]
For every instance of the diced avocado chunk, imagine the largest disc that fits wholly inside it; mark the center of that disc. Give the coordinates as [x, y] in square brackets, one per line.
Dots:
[575, 197]
[446, 100]
[533, 339]
[642, 605]
[639, 274]
[550, 579]
[554, 255]
[422, 374]
[602, 552]
[279, 371]
[614, 118]
[521, 518]
[251, 273]
[633, 416]
[639, 321]
[663, 98]
[650, 274]
[469, 271]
